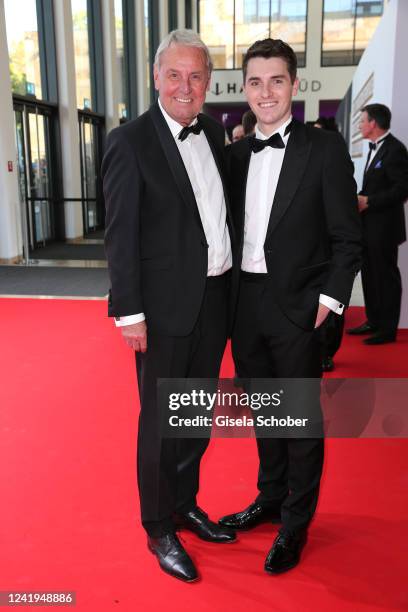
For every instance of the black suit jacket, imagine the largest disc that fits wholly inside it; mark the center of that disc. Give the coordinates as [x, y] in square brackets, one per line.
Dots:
[386, 185]
[155, 244]
[313, 241]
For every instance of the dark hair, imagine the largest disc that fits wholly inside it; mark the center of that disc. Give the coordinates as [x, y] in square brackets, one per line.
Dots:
[379, 113]
[327, 123]
[271, 47]
[249, 122]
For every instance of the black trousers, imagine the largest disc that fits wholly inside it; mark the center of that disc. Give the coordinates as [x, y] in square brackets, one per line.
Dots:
[266, 344]
[168, 469]
[381, 280]
[331, 334]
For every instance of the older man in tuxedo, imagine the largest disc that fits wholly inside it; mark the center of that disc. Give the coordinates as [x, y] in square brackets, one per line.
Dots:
[381, 204]
[298, 234]
[168, 245]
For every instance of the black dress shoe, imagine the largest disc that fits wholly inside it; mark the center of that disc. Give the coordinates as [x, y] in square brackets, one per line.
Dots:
[172, 557]
[198, 522]
[327, 364]
[285, 552]
[380, 338]
[365, 328]
[252, 516]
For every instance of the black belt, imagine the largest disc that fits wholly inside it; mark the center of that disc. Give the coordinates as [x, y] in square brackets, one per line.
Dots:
[220, 279]
[254, 277]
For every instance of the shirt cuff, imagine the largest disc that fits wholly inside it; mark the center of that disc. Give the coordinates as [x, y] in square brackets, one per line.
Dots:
[129, 319]
[331, 303]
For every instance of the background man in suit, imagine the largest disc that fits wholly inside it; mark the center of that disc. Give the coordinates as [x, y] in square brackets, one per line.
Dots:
[238, 133]
[248, 122]
[169, 255]
[381, 204]
[295, 208]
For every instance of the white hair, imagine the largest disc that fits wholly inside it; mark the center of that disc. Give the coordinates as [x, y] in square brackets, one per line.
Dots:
[187, 38]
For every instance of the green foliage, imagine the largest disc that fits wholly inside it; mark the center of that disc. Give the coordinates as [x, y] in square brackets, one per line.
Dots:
[18, 80]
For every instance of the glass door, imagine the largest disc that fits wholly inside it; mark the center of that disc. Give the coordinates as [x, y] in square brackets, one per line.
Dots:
[90, 134]
[40, 182]
[35, 173]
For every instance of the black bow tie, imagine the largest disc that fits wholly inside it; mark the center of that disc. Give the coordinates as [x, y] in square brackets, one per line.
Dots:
[275, 141]
[191, 129]
[374, 145]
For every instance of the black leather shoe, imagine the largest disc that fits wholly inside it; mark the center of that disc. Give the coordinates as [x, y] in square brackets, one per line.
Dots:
[252, 516]
[327, 364]
[285, 552]
[365, 328]
[380, 338]
[198, 522]
[172, 557]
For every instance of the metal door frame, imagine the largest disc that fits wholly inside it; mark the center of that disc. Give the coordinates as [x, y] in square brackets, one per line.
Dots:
[49, 112]
[97, 123]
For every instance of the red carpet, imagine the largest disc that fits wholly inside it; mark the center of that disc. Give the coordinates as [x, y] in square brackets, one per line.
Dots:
[69, 511]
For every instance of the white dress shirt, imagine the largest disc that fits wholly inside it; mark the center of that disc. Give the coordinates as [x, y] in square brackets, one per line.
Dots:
[378, 142]
[263, 175]
[209, 194]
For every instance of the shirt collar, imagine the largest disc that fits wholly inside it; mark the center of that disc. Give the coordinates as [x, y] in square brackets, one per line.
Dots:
[383, 137]
[280, 130]
[174, 126]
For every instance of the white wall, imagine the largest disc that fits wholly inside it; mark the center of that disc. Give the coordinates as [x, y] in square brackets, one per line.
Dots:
[378, 59]
[386, 58]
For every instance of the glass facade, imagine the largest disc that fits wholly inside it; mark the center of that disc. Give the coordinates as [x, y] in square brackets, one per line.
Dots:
[122, 109]
[23, 47]
[348, 26]
[216, 19]
[229, 27]
[81, 48]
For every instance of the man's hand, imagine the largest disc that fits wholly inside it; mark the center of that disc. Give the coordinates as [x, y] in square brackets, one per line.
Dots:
[136, 336]
[321, 315]
[362, 203]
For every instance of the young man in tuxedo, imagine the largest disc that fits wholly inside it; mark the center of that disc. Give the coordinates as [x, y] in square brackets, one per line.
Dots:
[381, 204]
[168, 245]
[298, 235]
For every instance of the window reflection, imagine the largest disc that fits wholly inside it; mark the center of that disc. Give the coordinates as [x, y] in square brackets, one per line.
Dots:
[230, 27]
[368, 15]
[23, 47]
[348, 26]
[217, 30]
[39, 176]
[81, 49]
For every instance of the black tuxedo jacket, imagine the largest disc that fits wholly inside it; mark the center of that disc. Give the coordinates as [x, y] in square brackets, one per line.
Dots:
[313, 241]
[155, 244]
[386, 185]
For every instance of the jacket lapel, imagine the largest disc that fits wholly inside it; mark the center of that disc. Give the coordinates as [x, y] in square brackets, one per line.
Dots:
[293, 168]
[240, 179]
[377, 157]
[219, 158]
[175, 162]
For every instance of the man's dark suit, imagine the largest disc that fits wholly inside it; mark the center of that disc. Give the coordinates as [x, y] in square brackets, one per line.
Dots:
[157, 254]
[386, 185]
[312, 247]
